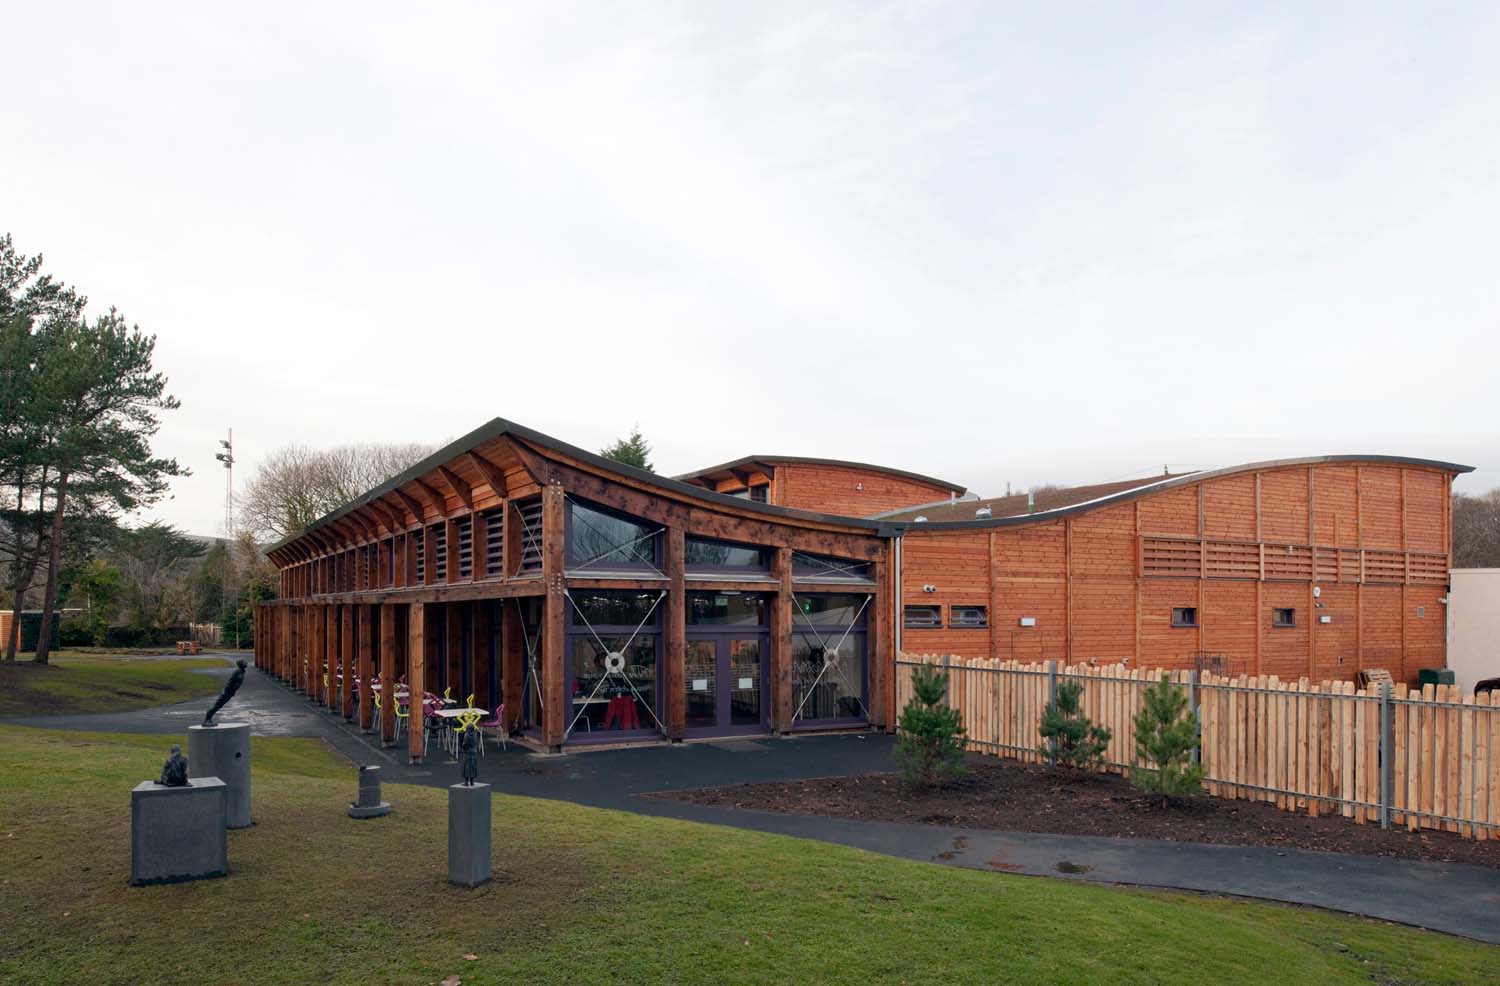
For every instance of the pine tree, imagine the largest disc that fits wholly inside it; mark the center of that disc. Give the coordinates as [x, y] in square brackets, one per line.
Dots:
[930, 749]
[1166, 732]
[1071, 739]
[632, 450]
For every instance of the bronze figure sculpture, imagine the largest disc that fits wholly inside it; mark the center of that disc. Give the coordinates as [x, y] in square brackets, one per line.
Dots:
[235, 681]
[468, 745]
[174, 773]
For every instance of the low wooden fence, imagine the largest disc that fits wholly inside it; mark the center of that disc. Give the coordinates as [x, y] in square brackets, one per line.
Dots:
[1387, 754]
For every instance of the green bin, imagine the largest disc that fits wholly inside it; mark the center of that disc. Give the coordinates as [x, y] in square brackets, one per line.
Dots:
[1435, 676]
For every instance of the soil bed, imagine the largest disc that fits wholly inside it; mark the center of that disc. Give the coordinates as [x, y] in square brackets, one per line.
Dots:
[1019, 797]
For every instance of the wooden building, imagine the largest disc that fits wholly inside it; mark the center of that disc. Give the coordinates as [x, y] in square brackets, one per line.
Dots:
[1314, 568]
[596, 602]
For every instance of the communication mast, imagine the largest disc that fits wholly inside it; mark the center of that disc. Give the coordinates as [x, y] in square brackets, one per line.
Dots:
[226, 456]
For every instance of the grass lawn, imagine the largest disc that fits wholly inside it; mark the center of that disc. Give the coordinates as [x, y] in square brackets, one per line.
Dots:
[82, 682]
[584, 895]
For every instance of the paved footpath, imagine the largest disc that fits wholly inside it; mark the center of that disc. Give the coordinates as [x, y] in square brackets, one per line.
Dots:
[1459, 899]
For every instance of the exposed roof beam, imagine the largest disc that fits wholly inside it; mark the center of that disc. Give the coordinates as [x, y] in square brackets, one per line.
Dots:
[436, 499]
[492, 473]
[456, 483]
[412, 504]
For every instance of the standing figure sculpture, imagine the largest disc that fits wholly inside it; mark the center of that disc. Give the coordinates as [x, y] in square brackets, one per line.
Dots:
[468, 746]
[235, 681]
[174, 773]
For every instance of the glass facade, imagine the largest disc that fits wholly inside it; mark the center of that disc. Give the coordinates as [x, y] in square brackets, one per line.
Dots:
[613, 656]
[823, 569]
[725, 609]
[829, 658]
[701, 553]
[601, 540]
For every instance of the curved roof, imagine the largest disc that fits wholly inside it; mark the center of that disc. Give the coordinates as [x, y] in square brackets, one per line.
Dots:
[1159, 485]
[500, 426]
[773, 460]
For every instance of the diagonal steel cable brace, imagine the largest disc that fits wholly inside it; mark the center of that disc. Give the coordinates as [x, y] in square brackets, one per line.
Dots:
[608, 670]
[826, 650]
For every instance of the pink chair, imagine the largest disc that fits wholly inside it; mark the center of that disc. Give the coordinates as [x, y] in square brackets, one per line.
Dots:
[497, 723]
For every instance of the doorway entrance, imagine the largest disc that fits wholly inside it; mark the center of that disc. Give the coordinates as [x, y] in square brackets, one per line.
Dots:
[726, 684]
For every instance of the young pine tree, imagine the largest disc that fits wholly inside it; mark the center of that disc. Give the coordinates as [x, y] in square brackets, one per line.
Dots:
[1165, 733]
[930, 749]
[1069, 738]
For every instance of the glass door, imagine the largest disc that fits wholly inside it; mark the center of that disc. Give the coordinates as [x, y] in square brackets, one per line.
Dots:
[725, 684]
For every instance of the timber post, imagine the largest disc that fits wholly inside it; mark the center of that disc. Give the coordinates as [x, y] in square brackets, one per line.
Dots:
[416, 681]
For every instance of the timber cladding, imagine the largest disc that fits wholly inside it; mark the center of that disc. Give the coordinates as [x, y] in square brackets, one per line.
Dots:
[848, 490]
[1302, 570]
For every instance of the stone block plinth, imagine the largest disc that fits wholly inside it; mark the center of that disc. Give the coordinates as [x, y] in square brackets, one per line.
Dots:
[179, 833]
[468, 834]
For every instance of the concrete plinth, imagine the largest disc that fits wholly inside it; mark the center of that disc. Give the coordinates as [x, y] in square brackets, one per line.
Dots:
[178, 833]
[222, 750]
[468, 834]
[369, 804]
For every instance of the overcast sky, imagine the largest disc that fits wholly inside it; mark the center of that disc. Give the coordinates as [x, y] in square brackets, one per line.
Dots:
[988, 242]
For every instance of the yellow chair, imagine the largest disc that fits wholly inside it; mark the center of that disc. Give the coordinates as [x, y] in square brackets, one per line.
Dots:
[401, 716]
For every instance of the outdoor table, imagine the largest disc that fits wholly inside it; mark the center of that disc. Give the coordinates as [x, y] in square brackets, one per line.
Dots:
[450, 741]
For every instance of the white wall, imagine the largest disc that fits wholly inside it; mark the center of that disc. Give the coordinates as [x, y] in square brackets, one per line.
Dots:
[1474, 625]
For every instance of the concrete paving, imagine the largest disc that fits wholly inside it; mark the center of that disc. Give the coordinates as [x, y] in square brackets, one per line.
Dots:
[1458, 899]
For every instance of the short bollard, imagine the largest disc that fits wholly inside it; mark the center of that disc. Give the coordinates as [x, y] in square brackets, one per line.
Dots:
[369, 804]
[468, 834]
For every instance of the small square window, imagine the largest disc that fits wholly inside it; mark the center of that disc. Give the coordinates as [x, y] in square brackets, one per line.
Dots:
[1184, 616]
[1283, 617]
[968, 616]
[919, 617]
[760, 494]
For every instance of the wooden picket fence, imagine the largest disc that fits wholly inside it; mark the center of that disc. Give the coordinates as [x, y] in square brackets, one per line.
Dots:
[1426, 758]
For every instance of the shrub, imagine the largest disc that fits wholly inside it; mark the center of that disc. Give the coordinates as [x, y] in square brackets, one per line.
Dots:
[75, 633]
[1070, 739]
[930, 748]
[1166, 732]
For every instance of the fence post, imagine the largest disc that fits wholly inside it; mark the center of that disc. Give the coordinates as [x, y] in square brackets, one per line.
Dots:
[1051, 699]
[947, 681]
[1193, 708]
[1387, 754]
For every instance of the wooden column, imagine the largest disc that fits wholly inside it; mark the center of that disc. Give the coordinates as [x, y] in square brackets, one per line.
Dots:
[512, 662]
[331, 656]
[879, 662]
[554, 613]
[366, 650]
[481, 662]
[284, 641]
[675, 635]
[416, 669]
[346, 641]
[317, 639]
[388, 652]
[781, 644]
[453, 649]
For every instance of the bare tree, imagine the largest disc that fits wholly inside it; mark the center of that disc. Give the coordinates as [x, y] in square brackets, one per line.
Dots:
[296, 485]
[1476, 530]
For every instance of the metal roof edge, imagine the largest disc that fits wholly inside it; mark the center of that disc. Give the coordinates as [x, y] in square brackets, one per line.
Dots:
[1013, 520]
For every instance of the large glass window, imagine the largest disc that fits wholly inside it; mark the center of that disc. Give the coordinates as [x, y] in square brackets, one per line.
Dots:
[701, 553]
[829, 658]
[726, 609]
[601, 540]
[614, 646]
[819, 568]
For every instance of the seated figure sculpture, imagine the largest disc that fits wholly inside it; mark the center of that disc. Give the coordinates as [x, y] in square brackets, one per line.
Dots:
[174, 773]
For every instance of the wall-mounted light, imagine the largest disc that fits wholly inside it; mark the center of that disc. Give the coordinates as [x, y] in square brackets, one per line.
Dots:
[1028, 621]
[929, 588]
[1325, 619]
